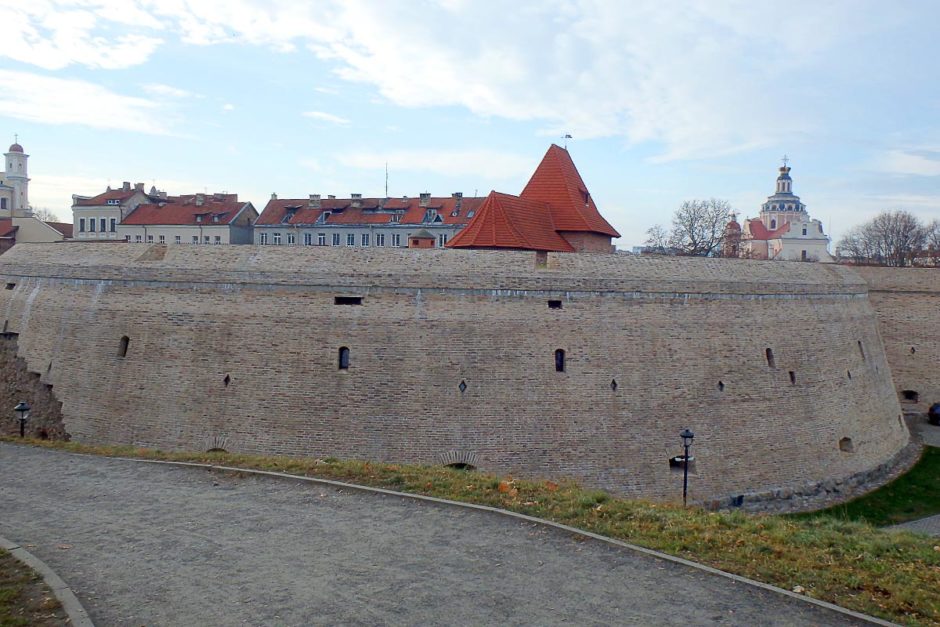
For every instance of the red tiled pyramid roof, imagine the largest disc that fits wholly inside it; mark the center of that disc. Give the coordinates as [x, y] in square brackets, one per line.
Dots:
[761, 232]
[506, 221]
[557, 183]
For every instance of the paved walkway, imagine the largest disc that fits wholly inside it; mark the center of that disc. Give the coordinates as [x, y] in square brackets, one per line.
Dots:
[163, 545]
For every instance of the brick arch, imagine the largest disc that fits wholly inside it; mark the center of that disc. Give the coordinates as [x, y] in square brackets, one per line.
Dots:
[459, 458]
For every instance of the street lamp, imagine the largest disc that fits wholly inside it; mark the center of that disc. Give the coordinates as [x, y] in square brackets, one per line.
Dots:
[687, 437]
[22, 415]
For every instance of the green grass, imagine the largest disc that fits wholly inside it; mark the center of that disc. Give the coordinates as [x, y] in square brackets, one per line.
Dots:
[891, 575]
[909, 497]
[24, 597]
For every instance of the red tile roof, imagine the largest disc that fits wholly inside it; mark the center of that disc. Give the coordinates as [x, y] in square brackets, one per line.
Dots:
[6, 227]
[368, 211]
[102, 199]
[557, 183]
[761, 232]
[185, 210]
[506, 221]
[62, 227]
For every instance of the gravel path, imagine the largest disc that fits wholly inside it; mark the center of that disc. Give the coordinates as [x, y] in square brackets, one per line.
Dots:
[146, 544]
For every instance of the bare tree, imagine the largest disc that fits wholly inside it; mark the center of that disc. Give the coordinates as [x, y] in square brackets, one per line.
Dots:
[45, 214]
[892, 238]
[933, 242]
[698, 227]
[657, 239]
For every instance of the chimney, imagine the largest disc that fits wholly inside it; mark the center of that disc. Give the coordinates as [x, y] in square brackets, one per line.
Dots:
[356, 200]
[332, 197]
[425, 199]
[458, 196]
[314, 201]
[126, 186]
[200, 200]
[138, 187]
[273, 196]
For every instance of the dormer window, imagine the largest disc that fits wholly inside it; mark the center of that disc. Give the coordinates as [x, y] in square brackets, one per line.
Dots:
[455, 213]
[396, 217]
[470, 213]
[215, 218]
[198, 218]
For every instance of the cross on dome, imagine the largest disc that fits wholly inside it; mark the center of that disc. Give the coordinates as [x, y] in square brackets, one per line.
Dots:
[785, 160]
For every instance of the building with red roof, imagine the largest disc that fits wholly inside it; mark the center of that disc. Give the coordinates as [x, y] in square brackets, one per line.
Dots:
[358, 221]
[97, 217]
[784, 229]
[554, 213]
[190, 219]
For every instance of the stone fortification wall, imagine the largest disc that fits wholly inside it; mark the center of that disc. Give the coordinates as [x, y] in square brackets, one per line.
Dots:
[907, 301]
[452, 358]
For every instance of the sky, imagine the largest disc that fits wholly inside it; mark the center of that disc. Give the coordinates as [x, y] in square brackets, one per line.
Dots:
[665, 100]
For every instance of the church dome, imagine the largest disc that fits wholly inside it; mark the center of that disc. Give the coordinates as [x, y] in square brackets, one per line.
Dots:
[15, 148]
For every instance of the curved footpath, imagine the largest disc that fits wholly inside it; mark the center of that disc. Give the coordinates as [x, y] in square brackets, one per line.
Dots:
[160, 544]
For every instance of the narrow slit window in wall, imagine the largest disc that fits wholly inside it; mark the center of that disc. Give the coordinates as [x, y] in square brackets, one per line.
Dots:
[343, 358]
[861, 349]
[226, 380]
[770, 358]
[122, 347]
[554, 304]
[462, 387]
[721, 386]
[559, 360]
[613, 385]
[347, 300]
[792, 378]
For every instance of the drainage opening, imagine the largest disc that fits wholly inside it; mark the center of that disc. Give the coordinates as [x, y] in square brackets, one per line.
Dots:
[461, 466]
[10, 286]
[554, 304]
[347, 300]
[910, 396]
[216, 450]
[846, 446]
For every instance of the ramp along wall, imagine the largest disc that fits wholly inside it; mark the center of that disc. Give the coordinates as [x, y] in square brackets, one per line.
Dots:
[587, 366]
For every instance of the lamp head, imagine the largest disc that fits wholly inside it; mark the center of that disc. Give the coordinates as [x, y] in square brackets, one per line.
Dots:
[687, 437]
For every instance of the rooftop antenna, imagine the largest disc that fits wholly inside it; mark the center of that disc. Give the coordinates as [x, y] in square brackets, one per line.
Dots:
[566, 137]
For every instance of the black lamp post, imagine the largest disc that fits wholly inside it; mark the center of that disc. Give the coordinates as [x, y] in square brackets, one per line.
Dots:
[687, 437]
[22, 415]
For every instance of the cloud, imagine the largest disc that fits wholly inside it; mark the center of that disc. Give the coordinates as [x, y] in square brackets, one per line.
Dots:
[37, 98]
[228, 106]
[914, 162]
[326, 117]
[488, 164]
[168, 91]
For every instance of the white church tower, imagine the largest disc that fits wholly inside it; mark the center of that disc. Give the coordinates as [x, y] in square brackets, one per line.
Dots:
[16, 176]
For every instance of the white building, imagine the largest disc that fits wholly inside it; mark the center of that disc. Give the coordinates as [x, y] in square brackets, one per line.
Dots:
[97, 217]
[784, 229]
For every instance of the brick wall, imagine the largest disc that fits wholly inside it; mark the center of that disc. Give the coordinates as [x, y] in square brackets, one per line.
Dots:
[17, 384]
[240, 345]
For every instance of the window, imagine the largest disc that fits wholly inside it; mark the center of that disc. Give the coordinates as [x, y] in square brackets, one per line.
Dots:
[554, 304]
[559, 360]
[163, 239]
[104, 225]
[335, 239]
[195, 239]
[177, 239]
[380, 239]
[3, 203]
[291, 239]
[773, 224]
[198, 218]
[804, 230]
[350, 239]
[277, 239]
[127, 238]
[150, 239]
[321, 239]
[347, 300]
[308, 239]
[81, 224]
[365, 239]
[770, 358]
[343, 358]
[205, 239]
[113, 225]
[802, 255]
[91, 225]
[138, 238]
[263, 239]
[122, 347]
[470, 213]
[442, 239]
[396, 239]
[218, 239]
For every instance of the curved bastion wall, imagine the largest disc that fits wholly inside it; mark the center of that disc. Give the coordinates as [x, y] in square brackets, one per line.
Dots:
[777, 367]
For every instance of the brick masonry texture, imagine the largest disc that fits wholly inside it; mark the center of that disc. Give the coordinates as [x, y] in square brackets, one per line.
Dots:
[684, 339]
[19, 384]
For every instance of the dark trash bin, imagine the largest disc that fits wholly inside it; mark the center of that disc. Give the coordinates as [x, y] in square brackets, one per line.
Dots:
[933, 414]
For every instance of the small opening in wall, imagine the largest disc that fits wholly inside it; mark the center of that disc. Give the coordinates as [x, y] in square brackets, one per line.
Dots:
[900, 420]
[216, 450]
[122, 347]
[554, 304]
[343, 358]
[461, 466]
[721, 386]
[462, 387]
[861, 349]
[848, 373]
[10, 286]
[347, 300]
[910, 396]
[792, 378]
[49, 368]
[846, 446]
[770, 358]
[913, 350]
[226, 380]
[43, 434]
[613, 384]
[559, 360]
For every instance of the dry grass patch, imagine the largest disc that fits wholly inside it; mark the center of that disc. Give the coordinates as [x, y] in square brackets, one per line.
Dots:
[25, 599]
[891, 575]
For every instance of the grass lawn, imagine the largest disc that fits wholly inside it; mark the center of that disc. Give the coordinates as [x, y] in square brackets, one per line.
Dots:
[850, 563]
[24, 597]
[909, 497]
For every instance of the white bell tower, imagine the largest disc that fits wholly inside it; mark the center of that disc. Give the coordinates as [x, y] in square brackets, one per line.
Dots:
[17, 177]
